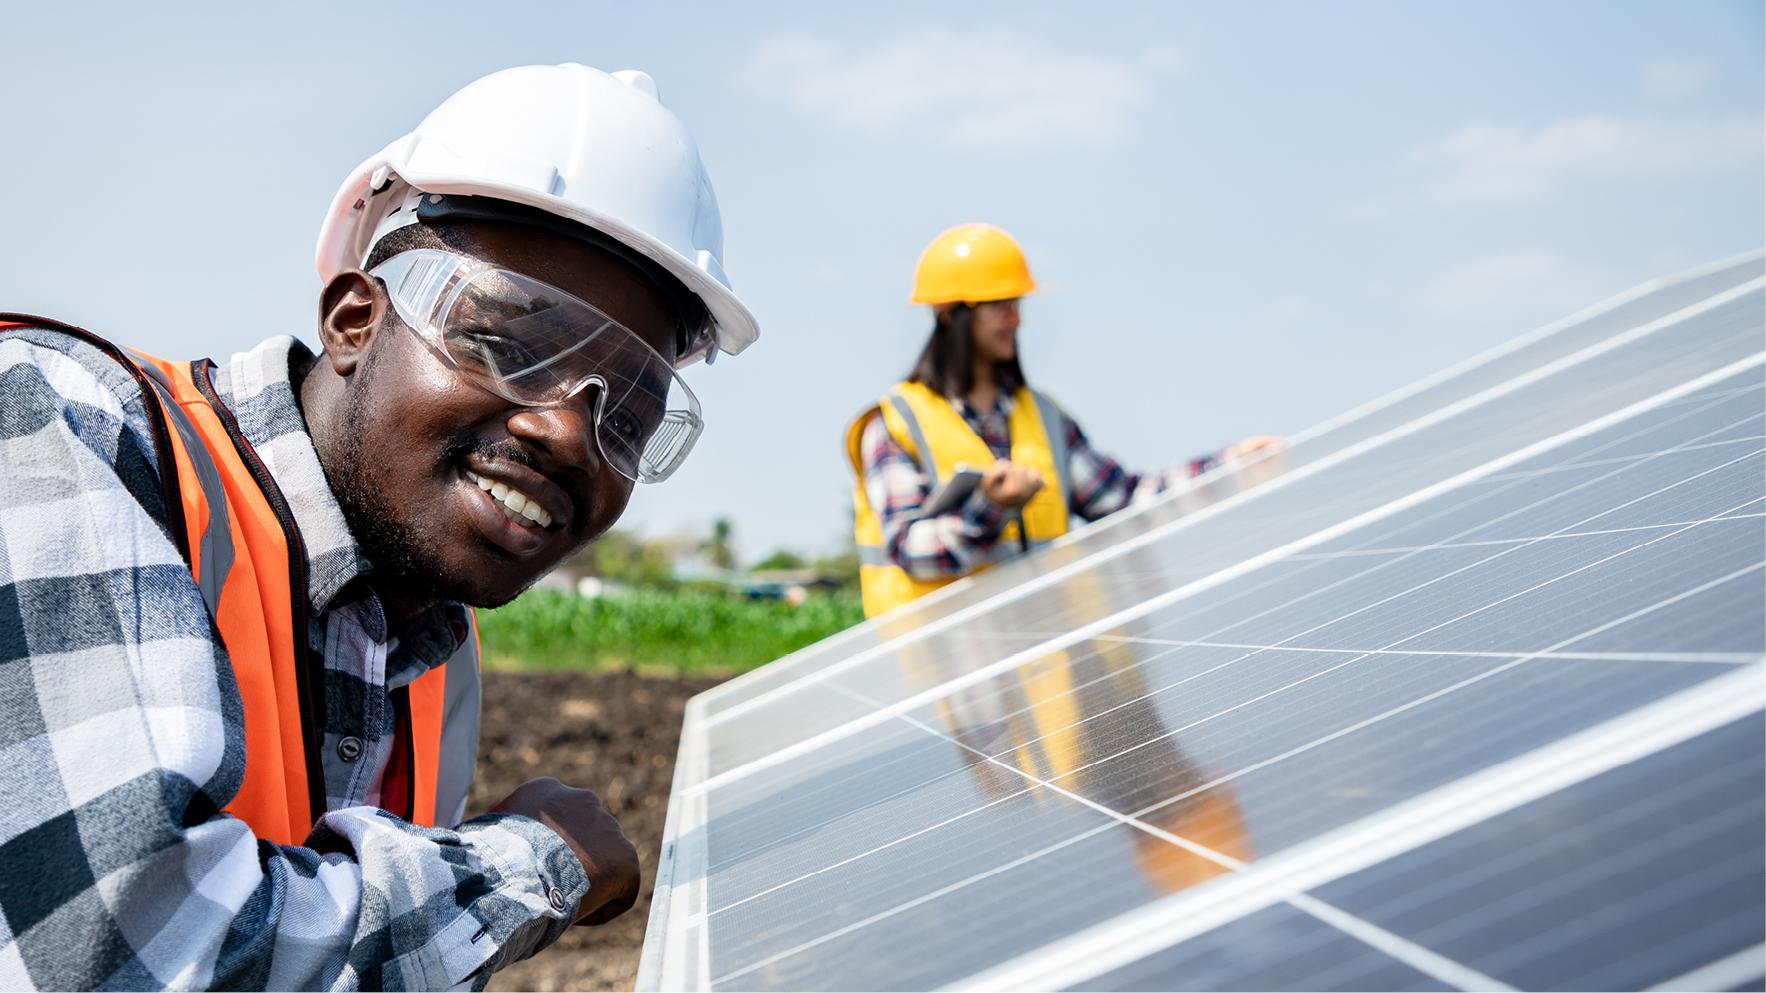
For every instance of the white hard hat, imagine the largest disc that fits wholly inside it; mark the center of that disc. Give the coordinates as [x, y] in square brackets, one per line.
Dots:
[590, 147]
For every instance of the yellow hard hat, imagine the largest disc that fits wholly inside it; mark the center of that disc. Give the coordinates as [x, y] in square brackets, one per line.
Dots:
[972, 263]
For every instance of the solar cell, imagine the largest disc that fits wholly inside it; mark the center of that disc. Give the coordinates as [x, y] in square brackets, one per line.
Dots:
[1206, 734]
[1567, 892]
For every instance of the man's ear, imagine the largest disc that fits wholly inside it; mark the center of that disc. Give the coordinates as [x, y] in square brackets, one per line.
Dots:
[351, 308]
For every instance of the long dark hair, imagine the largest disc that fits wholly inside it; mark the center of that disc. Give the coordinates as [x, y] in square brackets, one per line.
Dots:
[947, 363]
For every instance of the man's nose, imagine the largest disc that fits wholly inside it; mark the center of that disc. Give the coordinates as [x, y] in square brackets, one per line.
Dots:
[565, 430]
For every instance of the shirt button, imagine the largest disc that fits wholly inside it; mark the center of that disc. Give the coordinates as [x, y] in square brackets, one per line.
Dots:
[350, 748]
[555, 897]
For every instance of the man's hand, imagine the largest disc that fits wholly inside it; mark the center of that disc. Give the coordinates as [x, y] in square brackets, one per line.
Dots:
[579, 818]
[1009, 484]
[1255, 445]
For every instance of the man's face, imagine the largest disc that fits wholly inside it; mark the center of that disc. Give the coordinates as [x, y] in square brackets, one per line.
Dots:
[414, 427]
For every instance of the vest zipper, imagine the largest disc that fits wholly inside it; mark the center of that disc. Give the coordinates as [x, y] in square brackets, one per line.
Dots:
[406, 738]
[309, 689]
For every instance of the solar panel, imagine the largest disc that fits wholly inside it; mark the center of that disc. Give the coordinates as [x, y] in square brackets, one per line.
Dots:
[1463, 691]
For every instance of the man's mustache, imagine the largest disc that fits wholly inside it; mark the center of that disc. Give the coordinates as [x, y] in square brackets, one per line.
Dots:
[507, 450]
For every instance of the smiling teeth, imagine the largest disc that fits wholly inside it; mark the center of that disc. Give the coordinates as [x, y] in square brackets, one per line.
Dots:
[517, 505]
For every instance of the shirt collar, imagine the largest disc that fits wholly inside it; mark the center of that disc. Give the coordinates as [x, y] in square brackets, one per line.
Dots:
[258, 386]
[1002, 409]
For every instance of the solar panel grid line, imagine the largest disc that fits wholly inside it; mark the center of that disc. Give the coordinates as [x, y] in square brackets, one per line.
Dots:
[1419, 957]
[1515, 661]
[1534, 473]
[1604, 916]
[1705, 658]
[1599, 918]
[1058, 574]
[1597, 886]
[1728, 973]
[1170, 596]
[1437, 694]
[1218, 781]
[911, 904]
[1379, 551]
[1403, 827]
[1473, 918]
[1355, 413]
[1422, 959]
[1499, 542]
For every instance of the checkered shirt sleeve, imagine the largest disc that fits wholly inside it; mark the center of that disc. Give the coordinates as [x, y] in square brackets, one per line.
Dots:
[121, 740]
[957, 543]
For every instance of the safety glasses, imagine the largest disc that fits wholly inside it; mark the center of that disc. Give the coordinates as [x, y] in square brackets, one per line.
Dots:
[536, 345]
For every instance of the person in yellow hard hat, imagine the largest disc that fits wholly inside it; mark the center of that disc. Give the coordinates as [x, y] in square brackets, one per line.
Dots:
[967, 407]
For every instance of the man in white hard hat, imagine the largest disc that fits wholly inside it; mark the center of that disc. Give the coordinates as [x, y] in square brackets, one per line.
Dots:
[238, 675]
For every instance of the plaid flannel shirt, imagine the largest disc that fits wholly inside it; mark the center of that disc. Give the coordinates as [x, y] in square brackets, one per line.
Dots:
[959, 542]
[121, 734]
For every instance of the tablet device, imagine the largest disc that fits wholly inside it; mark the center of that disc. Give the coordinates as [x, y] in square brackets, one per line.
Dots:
[950, 497]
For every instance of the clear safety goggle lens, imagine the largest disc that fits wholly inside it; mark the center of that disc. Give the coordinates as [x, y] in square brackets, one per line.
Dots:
[537, 345]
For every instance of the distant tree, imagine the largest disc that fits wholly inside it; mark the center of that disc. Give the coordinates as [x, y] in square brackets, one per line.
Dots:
[717, 548]
[784, 558]
[626, 558]
[842, 568]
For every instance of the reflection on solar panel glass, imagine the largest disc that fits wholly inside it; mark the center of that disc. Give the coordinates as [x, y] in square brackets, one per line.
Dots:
[1462, 691]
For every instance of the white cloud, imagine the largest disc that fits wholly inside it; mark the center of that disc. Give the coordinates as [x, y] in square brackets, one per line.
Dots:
[1506, 163]
[1530, 286]
[1672, 79]
[964, 90]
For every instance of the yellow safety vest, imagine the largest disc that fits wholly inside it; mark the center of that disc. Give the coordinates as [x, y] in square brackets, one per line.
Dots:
[932, 430]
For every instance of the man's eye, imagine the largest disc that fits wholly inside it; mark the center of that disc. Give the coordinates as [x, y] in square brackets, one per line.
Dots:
[623, 424]
[506, 354]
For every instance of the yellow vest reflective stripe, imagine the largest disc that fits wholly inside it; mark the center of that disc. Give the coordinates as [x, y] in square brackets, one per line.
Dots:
[931, 429]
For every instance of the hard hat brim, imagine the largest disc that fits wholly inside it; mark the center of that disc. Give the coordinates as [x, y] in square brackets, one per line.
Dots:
[1032, 287]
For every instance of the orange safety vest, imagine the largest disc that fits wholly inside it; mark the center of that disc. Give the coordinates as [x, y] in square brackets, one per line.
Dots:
[245, 552]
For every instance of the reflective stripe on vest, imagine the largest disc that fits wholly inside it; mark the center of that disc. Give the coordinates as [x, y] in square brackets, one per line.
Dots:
[235, 532]
[934, 433]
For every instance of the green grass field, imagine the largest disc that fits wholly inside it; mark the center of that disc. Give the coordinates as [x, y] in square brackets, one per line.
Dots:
[683, 632]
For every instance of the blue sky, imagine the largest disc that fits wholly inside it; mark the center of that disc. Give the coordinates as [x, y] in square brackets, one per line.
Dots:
[1249, 217]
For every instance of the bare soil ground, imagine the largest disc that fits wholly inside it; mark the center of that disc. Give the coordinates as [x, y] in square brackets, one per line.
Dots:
[614, 733]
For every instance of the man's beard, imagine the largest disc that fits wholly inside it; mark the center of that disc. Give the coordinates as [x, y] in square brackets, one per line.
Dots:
[401, 555]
